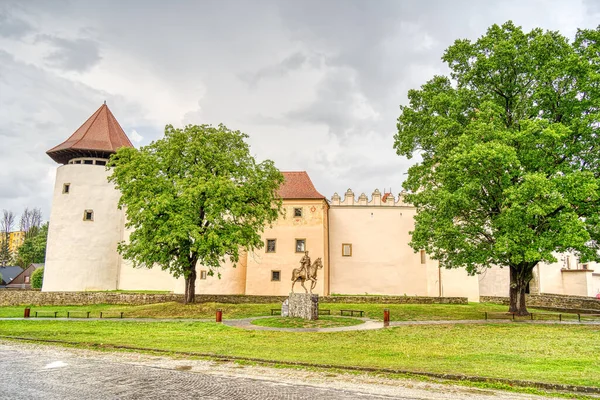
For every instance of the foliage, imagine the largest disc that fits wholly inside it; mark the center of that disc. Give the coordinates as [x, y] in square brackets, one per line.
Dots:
[0, 278]
[33, 249]
[37, 278]
[195, 196]
[510, 153]
[31, 221]
[6, 225]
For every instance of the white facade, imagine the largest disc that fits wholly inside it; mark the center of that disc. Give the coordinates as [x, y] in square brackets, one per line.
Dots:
[81, 253]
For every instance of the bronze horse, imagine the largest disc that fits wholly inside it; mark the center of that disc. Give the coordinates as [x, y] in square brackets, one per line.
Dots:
[300, 274]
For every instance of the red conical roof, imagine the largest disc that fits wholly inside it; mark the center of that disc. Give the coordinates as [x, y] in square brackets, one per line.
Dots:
[99, 136]
[297, 185]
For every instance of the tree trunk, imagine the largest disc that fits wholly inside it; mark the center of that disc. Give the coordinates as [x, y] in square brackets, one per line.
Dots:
[190, 286]
[520, 275]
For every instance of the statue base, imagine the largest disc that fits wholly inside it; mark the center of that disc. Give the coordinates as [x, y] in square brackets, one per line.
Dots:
[304, 305]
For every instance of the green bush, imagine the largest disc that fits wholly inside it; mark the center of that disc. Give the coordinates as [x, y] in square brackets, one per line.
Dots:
[37, 278]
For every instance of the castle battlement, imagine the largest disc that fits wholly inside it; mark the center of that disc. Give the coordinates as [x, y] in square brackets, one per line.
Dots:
[377, 199]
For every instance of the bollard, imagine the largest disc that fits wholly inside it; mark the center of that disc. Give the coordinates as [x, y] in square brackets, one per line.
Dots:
[386, 317]
[219, 315]
[26, 312]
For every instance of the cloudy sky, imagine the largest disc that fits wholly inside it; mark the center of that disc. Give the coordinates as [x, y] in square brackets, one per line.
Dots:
[316, 84]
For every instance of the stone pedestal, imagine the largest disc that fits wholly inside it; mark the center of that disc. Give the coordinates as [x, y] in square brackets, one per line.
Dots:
[304, 305]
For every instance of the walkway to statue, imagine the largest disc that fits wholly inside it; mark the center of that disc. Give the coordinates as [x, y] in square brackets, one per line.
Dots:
[369, 324]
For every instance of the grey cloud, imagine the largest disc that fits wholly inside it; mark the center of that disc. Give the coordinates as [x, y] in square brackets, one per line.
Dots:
[289, 64]
[13, 27]
[72, 55]
[243, 55]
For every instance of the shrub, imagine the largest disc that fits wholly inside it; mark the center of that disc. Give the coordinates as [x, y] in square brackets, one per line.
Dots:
[37, 278]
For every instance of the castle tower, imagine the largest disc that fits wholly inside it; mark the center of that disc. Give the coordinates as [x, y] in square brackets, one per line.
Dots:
[85, 223]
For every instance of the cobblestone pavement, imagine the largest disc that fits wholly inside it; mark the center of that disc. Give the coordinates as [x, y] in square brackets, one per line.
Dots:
[31, 371]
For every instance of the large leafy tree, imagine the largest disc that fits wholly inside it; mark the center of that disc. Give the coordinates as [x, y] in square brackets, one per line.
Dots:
[510, 153]
[195, 196]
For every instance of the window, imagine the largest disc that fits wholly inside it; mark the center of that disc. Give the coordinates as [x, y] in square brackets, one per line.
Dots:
[271, 245]
[26, 279]
[275, 276]
[66, 188]
[585, 266]
[202, 274]
[300, 245]
[88, 162]
[298, 212]
[346, 250]
[77, 162]
[100, 162]
[423, 257]
[88, 215]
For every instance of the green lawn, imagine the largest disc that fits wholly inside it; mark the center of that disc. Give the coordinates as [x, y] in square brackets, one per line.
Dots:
[399, 312]
[568, 354]
[323, 322]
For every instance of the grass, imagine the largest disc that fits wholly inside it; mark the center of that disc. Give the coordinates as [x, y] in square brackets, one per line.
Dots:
[566, 354]
[322, 322]
[398, 312]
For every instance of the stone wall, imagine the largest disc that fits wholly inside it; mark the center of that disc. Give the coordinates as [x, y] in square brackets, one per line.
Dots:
[37, 298]
[552, 302]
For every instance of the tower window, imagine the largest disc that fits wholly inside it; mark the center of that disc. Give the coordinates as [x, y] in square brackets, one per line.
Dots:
[88, 215]
[275, 276]
[66, 188]
[300, 245]
[202, 274]
[346, 250]
[423, 257]
[88, 162]
[298, 212]
[100, 162]
[271, 245]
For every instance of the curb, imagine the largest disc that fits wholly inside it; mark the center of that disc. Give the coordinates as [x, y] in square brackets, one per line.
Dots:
[452, 377]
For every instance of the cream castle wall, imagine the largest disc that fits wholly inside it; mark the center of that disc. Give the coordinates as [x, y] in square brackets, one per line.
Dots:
[142, 278]
[82, 255]
[382, 262]
[312, 226]
[232, 281]
[565, 276]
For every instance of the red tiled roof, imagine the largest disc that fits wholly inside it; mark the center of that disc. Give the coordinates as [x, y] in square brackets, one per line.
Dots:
[100, 135]
[297, 185]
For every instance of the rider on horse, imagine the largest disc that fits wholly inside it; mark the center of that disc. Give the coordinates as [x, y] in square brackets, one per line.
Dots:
[304, 264]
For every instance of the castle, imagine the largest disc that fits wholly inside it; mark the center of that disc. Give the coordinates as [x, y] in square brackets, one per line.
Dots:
[363, 243]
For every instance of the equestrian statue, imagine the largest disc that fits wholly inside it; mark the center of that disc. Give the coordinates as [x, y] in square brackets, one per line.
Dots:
[306, 272]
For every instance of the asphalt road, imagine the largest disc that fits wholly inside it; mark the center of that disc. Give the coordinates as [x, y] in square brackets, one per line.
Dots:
[29, 371]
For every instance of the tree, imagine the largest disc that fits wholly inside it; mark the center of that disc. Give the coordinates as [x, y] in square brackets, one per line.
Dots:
[510, 153]
[31, 221]
[33, 249]
[37, 278]
[6, 225]
[195, 196]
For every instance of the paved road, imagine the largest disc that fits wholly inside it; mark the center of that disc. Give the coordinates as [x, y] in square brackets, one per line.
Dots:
[30, 374]
[30, 371]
